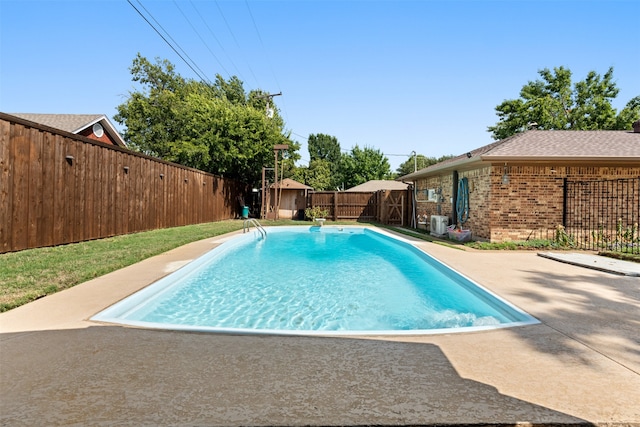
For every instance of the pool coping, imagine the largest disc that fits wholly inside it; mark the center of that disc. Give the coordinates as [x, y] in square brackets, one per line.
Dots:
[579, 366]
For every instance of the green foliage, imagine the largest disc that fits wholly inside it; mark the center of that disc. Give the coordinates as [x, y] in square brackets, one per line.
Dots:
[315, 212]
[215, 128]
[623, 238]
[316, 175]
[514, 245]
[421, 162]
[362, 165]
[324, 147]
[561, 237]
[552, 103]
[629, 114]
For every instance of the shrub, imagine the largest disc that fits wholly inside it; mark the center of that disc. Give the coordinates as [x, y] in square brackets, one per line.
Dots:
[315, 212]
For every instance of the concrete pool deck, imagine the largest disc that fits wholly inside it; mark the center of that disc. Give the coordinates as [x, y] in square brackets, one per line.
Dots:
[581, 365]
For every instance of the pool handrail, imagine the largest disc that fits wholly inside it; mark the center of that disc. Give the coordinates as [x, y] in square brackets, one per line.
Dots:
[246, 225]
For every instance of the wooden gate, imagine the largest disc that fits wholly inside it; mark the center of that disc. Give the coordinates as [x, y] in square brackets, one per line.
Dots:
[384, 206]
[394, 202]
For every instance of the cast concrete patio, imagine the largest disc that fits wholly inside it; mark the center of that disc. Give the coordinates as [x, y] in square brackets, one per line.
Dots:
[581, 365]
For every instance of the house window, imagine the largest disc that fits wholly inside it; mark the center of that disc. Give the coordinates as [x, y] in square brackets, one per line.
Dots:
[98, 130]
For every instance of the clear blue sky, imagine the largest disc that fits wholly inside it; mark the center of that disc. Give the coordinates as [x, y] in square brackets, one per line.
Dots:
[395, 75]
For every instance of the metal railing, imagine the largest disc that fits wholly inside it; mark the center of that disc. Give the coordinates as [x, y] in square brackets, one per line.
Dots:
[246, 225]
[603, 215]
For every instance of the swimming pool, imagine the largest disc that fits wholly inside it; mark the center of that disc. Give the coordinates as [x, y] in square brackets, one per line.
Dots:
[316, 280]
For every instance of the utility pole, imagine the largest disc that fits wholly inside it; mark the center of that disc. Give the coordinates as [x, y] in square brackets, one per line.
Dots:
[269, 98]
[276, 149]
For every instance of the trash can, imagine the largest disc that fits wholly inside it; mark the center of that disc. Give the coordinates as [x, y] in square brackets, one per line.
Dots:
[245, 212]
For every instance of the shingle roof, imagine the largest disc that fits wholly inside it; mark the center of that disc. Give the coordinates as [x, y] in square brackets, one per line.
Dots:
[290, 184]
[550, 145]
[379, 184]
[67, 122]
[74, 123]
[568, 143]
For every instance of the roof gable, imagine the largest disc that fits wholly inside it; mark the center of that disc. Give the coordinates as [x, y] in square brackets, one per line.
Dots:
[74, 123]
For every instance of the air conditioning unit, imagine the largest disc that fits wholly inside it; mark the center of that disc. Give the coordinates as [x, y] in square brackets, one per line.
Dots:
[439, 225]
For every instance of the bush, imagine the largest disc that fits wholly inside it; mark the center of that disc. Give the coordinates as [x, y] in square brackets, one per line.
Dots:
[315, 212]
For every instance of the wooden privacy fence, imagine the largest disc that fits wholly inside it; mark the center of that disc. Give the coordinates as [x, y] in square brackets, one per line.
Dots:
[384, 206]
[58, 188]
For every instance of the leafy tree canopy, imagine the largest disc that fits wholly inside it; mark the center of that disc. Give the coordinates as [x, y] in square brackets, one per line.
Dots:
[324, 147]
[362, 165]
[553, 103]
[316, 175]
[421, 162]
[215, 128]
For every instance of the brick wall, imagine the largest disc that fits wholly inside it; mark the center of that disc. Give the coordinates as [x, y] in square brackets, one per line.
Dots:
[479, 202]
[531, 204]
[444, 184]
[528, 206]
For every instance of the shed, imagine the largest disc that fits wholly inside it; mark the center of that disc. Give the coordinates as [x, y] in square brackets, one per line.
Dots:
[292, 196]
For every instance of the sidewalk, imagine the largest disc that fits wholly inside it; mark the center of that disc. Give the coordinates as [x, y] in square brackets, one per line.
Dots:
[596, 262]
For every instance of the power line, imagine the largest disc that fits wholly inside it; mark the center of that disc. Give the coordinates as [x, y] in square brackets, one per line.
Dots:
[266, 55]
[217, 41]
[224, 18]
[199, 36]
[166, 41]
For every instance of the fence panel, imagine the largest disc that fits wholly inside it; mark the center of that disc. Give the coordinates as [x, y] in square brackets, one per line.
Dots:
[56, 188]
[366, 206]
[603, 215]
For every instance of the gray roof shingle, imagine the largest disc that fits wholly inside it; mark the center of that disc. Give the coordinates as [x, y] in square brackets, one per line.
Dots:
[568, 143]
[67, 122]
[379, 184]
[550, 145]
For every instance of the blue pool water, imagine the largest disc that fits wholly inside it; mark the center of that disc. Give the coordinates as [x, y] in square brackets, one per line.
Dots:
[316, 280]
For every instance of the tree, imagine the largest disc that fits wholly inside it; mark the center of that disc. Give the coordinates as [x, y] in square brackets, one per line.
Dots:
[552, 103]
[629, 114]
[215, 128]
[316, 175]
[324, 147]
[362, 165]
[421, 162]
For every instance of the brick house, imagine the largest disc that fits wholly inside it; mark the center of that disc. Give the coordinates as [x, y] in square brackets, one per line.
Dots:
[93, 126]
[516, 186]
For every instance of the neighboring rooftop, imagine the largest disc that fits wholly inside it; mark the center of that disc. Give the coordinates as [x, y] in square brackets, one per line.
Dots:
[67, 122]
[379, 184]
[290, 184]
[81, 124]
